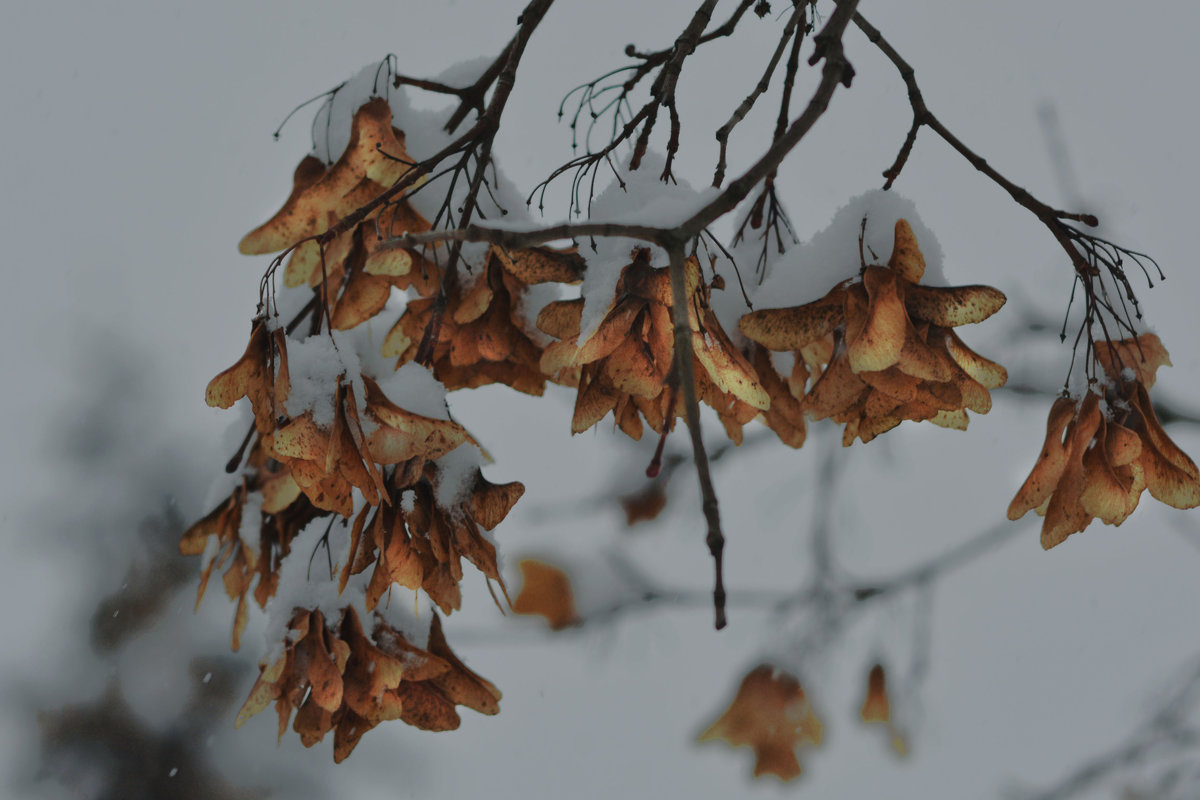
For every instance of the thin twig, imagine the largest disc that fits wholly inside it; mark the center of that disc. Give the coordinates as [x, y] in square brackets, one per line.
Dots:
[763, 83]
[837, 71]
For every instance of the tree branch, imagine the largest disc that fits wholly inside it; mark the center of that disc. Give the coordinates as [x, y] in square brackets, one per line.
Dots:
[685, 370]
[837, 70]
[1090, 256]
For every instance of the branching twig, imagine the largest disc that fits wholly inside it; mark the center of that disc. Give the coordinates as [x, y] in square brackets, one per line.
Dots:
[1091, 256]
[669, 63]
[837, 71]
[789, 34]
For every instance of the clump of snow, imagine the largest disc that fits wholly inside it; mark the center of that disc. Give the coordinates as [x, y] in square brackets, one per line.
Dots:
[639, 198]
[212, 546]
[456, 472]
[283, 305]
[531, 303]
[600, 281]
[1079, 384]
[424, 136]
[314, 365]
[305, 581]
[412, 620]
[809, 270]
[250, 526]
[473, 254]
[466, 72]
[331, 123]
[413, 388]
[783, 361]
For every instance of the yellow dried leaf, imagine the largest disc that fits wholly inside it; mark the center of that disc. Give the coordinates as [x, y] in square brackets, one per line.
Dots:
[988, 373]
[459, 684]
[388, 260]
[727, 367]
[490, 502]
[1050, 464]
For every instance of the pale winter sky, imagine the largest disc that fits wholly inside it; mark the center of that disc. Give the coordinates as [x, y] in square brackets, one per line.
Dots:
[137, 151]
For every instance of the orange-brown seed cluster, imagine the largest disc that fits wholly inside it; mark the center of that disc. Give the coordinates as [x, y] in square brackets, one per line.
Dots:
[480, 333]
[881, 349]
[625, 366]
[423, 547]
[1102, 450]
[336, 678]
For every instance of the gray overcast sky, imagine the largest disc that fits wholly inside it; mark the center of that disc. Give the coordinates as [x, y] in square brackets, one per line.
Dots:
[136, 152]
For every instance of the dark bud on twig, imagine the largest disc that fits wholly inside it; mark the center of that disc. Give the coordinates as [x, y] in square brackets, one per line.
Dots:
[756, 213]
[847, 73]
[762, 8]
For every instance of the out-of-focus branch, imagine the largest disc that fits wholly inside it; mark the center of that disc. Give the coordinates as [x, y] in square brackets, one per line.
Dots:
[839, 595]
[1165, 734]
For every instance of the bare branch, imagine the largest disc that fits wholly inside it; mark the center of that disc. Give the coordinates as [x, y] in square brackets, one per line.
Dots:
[503, 237]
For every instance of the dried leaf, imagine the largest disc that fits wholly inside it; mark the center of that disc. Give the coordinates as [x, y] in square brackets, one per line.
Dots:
[546, 591]
[771, 715]
[1142, 356]
[875, 706]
